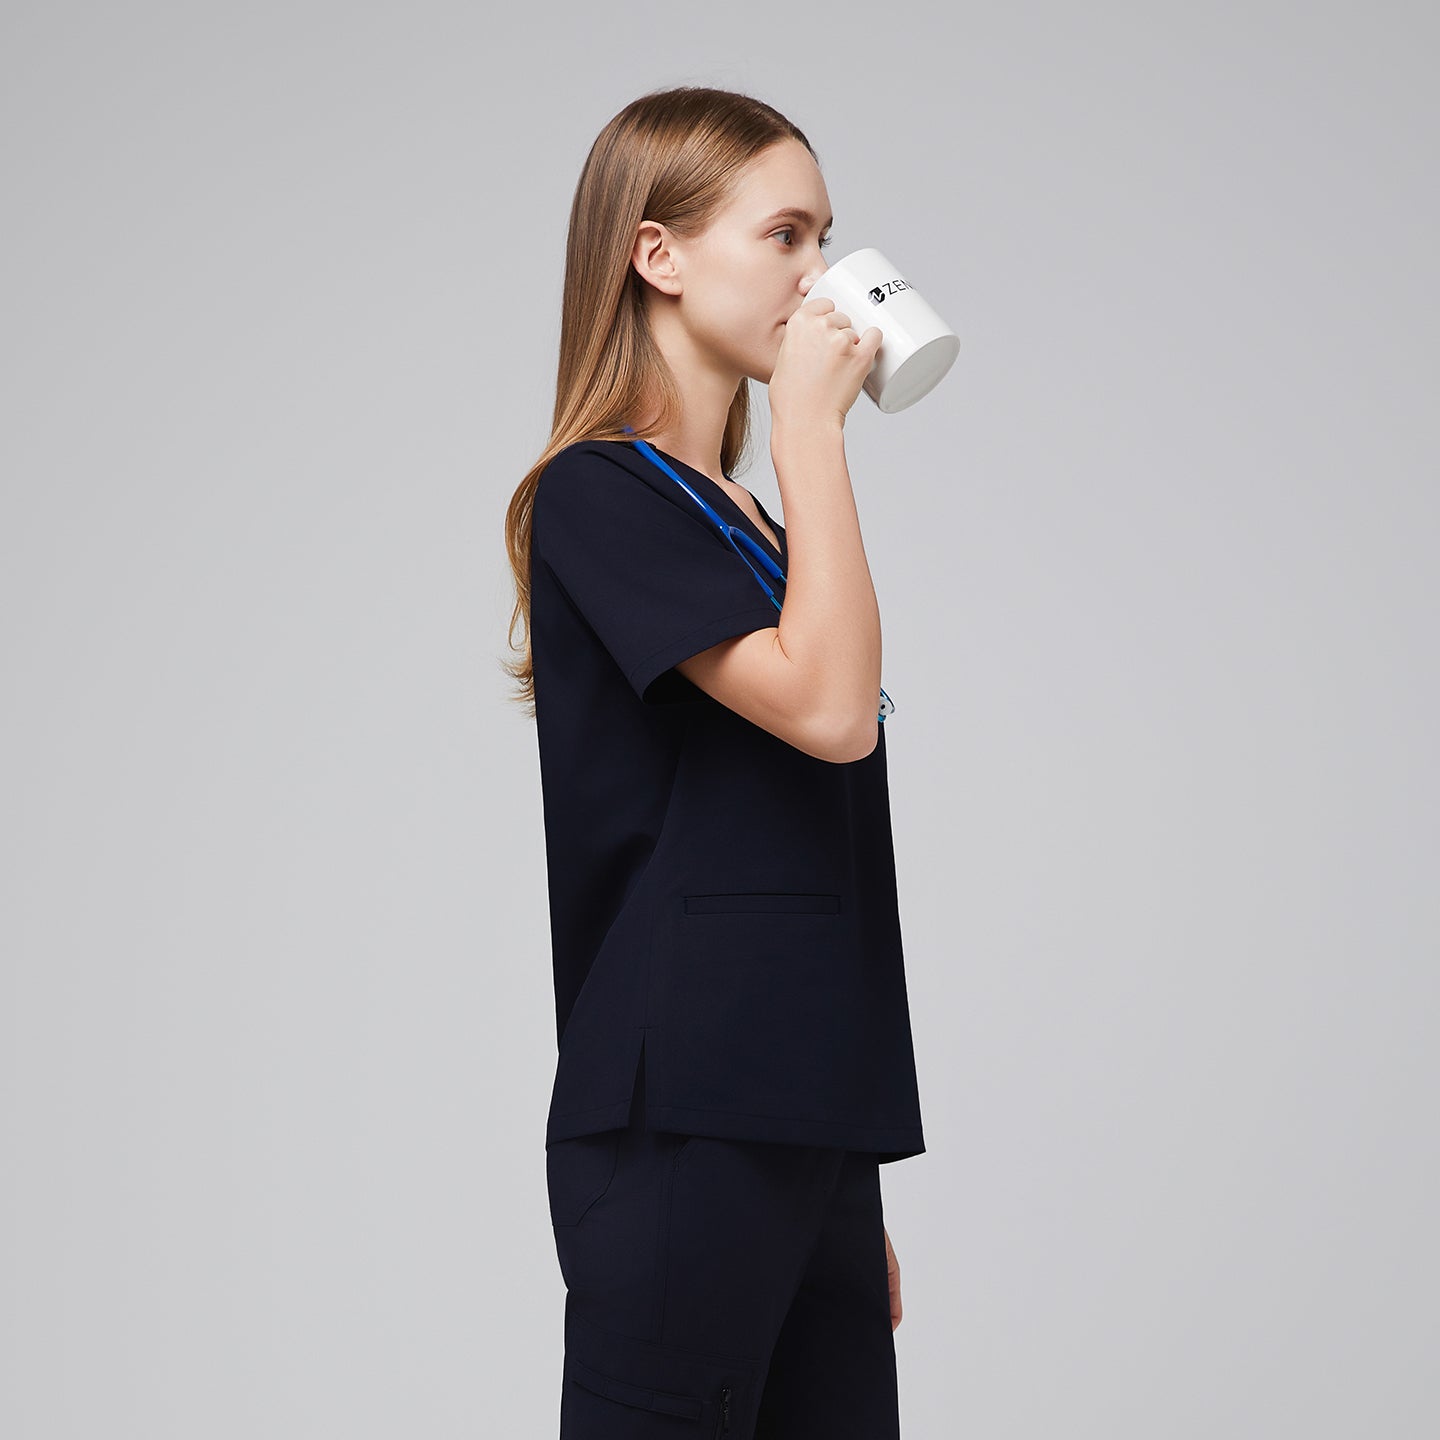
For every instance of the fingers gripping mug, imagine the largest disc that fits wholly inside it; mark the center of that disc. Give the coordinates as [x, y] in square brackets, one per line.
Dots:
[918, 347]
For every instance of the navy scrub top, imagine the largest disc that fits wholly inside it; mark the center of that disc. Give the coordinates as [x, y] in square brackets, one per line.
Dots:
[718, 898]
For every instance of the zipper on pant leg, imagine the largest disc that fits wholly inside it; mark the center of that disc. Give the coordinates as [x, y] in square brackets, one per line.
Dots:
[722, 1414]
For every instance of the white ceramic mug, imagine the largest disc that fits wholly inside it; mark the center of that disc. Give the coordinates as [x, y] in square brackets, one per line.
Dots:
[918, 347]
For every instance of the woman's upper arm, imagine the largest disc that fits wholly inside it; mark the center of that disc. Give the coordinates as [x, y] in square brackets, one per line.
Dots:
[751, 675]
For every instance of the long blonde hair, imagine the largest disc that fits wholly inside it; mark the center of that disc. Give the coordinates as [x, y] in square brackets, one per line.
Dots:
[672, 156]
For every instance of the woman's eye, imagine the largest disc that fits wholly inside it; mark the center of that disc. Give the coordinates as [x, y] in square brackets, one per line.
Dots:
[790, 230]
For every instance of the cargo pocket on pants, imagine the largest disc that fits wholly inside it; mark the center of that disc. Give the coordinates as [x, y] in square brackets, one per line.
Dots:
[689, 1407]
[684, 1394]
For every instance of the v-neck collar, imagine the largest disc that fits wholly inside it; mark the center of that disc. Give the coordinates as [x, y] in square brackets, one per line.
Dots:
[746, 523]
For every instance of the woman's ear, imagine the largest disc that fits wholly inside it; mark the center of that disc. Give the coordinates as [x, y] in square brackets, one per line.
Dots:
[654, 257]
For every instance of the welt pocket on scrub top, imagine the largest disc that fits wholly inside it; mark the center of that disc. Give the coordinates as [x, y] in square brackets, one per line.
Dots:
[764, 902]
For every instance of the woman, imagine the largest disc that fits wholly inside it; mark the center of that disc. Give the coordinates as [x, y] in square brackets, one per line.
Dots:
[735, 1058]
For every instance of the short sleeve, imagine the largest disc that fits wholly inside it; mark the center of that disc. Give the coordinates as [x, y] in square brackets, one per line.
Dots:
[656, 582]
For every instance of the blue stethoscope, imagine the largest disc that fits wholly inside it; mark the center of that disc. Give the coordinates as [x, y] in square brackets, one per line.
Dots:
[734, 534]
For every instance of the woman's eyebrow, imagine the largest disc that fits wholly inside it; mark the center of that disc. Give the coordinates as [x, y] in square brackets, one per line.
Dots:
[795, 212]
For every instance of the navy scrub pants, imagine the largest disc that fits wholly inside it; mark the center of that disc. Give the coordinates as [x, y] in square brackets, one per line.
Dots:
[721, 1288]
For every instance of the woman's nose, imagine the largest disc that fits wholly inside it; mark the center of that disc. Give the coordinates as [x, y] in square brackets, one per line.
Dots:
[811, 278]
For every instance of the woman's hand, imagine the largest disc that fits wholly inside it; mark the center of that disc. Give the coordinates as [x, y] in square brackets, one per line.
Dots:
[822, 364]
[892, 1265]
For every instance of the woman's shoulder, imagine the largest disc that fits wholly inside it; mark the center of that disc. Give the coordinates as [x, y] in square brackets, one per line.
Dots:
[580, 454]
[591, 491]
[589, 469]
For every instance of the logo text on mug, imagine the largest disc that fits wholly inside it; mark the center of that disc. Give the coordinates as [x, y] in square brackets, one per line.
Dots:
[886, 287]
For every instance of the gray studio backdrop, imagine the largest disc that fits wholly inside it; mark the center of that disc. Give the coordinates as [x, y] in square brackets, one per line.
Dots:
[1157, 567]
